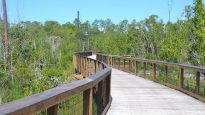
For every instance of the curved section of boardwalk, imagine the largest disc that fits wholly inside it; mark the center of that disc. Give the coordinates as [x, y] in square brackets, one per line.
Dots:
[133, 95]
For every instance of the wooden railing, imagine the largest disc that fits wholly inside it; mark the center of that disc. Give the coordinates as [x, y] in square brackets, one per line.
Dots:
[185, 78]
[95, 90]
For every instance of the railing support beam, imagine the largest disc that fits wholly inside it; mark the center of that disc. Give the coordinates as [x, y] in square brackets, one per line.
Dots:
[165, 72]
[53, 110]
[197, 82]
[154, 71]
[181, 78]
[87, 102]
[145, 69]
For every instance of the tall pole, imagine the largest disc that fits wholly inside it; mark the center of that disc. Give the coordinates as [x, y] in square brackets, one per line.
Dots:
[5, 41]
[78, 31]
[78, 18]
[170, 2]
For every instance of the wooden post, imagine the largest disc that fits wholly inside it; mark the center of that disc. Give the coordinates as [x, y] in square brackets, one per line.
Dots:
[101, 58]
[111, 62]
[97, 56]
[144, 69]
[118, 63]
[95, 65]
[53, 110]
[108, 60]
[114, 60]
[87, 67]
[124, 64]
[83, 63]
[99, 66]
[197, 82]
[84, 67]
[103, 66]
[154, 71]
[130, 65]
[80, 65]
[74, 60]
[165, 72]
[181, 78]
[108, 87]
[136, 67]
[87, 102]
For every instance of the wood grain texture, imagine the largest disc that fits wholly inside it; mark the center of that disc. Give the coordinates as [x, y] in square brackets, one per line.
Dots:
[87, 101]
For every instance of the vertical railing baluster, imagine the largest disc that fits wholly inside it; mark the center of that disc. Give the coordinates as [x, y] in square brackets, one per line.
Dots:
[53, 110]
[108, 87]
[80, 64]
[95, 65]
[88, 67]
[112, 63]
[124, 63]
[197, 82]
[129, 65]
[108, 60]
[166, 73]
[87, 101]
[145, 69]
[136, 67]
[118, 63]
[154, 71]
[181, 78]
[85, 69]
[98, 66]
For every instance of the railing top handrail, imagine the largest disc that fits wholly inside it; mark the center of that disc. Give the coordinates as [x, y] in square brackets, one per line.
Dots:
[187, 66]
[38, 102]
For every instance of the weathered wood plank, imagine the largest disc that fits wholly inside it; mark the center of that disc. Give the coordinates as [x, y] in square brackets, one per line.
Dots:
[52, 110]
[134, 95]
[87, 102]
[185, 66]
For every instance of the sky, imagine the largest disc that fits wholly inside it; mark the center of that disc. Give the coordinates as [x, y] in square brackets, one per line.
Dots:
[117, 10]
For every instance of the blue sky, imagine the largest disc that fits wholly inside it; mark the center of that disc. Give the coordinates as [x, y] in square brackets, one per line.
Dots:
[117, 10]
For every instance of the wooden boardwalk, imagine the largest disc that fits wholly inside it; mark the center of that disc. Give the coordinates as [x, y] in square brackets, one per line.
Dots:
[133, 95]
